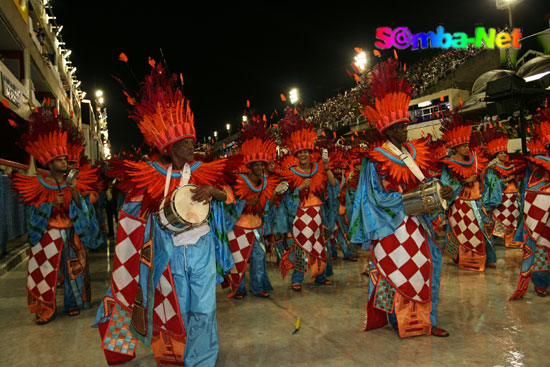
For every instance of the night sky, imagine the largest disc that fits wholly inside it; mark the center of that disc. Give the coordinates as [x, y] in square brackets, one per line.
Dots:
[250, 50]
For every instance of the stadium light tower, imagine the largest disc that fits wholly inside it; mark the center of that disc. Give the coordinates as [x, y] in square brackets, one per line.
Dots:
[360, 61]
[294, 96]
[507, 4]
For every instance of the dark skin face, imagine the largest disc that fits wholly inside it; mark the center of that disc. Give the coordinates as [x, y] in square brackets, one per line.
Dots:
[397, 134]
[462, 150]
[270, 167]
[58, 167]
[256, 170]
[182, 152]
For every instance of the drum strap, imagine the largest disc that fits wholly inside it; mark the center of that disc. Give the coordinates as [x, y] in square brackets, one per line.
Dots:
[408, 160]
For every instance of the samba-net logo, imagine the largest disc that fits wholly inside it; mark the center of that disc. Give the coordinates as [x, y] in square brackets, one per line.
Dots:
[402, 38]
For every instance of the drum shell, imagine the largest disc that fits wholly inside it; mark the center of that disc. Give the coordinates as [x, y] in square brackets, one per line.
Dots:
[425, 199]
[176, 221]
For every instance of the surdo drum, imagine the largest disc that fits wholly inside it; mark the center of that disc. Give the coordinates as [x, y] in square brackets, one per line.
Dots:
[181, 213]
[425, 199]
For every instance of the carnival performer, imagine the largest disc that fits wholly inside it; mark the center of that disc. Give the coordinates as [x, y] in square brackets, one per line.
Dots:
[257, 147]
[536, 213]
[276, 226]
[405, 272]
[60, 224]
[163, 287]
[502, 176]
[439, 151]
[343, 177]
[309, 181]
[469, 240]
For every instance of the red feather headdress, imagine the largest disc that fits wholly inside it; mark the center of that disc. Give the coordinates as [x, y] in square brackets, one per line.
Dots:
[296, 133]
[387, 100]
[163, 113]
[455, 131]
[46, 141]
[496, 141]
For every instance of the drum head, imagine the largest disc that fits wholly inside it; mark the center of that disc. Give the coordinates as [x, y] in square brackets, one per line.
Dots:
[281, 187]
[186, 208]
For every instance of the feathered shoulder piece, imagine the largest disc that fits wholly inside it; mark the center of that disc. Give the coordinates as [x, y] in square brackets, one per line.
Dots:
[395, 171]
[456, 131]
[543, 125]
[462, 169]
[336, 153]
[37, 190]
[46, 140]
[515, 167]
[386, 101]
[537, 147]
[295, 177]
[162, 112]
[148, 178]
[246, 190]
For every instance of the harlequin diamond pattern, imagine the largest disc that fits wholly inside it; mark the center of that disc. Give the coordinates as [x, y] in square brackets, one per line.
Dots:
[451, 249]
[537, 217]
[126, 263]
[499, 230]
[465, 227]
[240, 242]
[307, 230]
[44, 259]
[508, 212]
[385, 295]
[403, 258]
[166, 308]
[118, 337]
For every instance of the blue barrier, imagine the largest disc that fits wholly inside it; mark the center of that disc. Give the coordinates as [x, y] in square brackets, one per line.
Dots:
[12, 214]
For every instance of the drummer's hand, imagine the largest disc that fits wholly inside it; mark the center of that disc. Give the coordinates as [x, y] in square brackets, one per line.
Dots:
[202, 193]
[471, 179]
[72, 184]
[59, 199]
[305, 184]
[252, 201]
[446, 192]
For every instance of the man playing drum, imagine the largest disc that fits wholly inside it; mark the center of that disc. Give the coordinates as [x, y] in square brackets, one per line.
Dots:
[163, 288]
[405, 272]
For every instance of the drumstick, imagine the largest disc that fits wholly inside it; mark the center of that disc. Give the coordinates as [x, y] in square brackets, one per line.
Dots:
[57, 182]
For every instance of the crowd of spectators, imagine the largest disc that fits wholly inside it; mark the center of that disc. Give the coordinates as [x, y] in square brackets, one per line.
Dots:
[344, 109]
[427, 72]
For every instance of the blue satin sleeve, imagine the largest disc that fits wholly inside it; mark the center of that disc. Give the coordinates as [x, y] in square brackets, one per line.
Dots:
[291, 201]
[85, 222]
[330, 207]
[447, 180]
[492, 190]
[37, 221]
[223, 219]
[377, 213]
